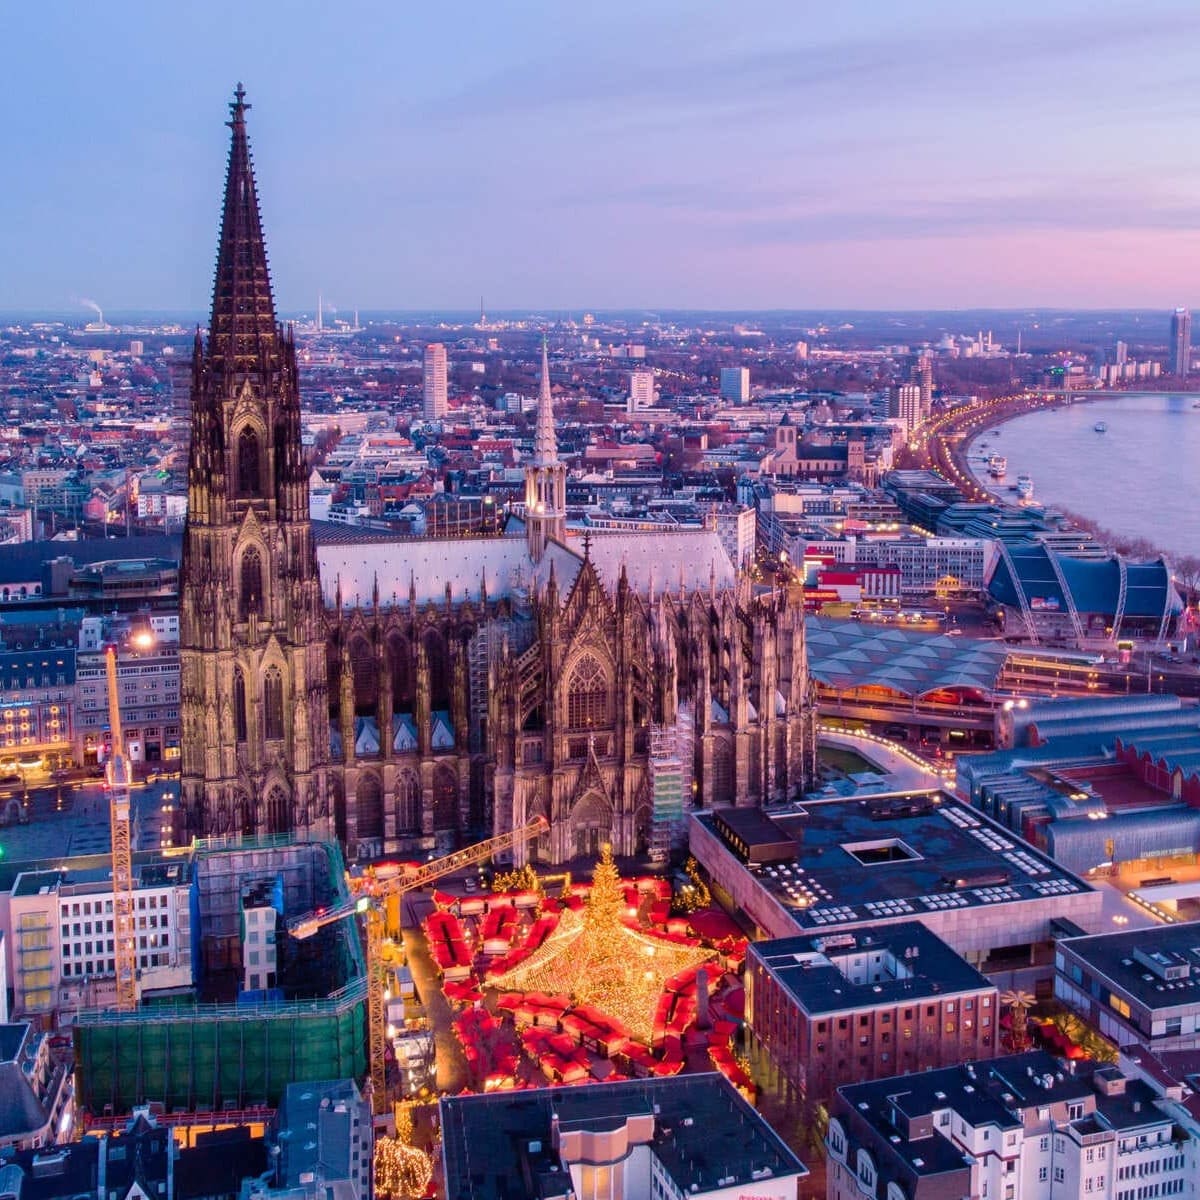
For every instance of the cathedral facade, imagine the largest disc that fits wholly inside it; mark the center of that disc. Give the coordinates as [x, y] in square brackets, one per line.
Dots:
[407, 694]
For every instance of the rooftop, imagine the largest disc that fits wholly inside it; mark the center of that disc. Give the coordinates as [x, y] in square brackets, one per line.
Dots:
[994, 1092]
[897, 857]
[93, 873]
[847, 654]
[888, 965]
[1158, 967]
[704, 1132]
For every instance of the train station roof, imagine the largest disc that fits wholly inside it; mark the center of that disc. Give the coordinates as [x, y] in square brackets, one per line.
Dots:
[845, 654]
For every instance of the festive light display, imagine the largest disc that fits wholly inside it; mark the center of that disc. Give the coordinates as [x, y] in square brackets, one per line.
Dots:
[598, 960]
[402, 1171]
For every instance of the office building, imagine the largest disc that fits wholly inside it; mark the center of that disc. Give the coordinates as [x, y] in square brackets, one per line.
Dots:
[1022, 1127]
[148, 686]
[671, 1139]
[435, 381]
[841, 866]
[1138, 986]
[1181, 343]
[735, 384]
[60, 922]
[641, 390]
[828, 1009]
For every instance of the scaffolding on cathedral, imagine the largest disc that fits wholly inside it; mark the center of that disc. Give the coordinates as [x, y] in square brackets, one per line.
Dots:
[670, 784]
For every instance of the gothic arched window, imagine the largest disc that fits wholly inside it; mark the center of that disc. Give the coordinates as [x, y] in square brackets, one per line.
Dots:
[366, 677]
[273, 704]
[587, 695]
[369, 808]
[239, 705]
[278, 811]
[408, 803]
[249, 463]
[445, 800]
[439, 670]
[251, 595]
[401, 675]
[722, 772]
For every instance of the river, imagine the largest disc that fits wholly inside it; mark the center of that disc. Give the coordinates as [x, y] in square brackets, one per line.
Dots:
[1140, 478]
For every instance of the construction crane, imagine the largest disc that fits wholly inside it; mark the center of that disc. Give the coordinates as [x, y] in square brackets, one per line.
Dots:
[369, 898]
[118, 774]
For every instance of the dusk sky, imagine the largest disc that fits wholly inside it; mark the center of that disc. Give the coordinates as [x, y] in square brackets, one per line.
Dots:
[870, 154]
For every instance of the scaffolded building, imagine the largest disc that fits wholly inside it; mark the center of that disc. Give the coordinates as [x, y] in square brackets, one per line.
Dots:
[224, 1050]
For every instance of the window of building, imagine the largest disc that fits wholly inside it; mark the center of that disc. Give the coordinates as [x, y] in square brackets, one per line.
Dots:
[249, 465]
[273, 704]
[250, 595]
[587, 695]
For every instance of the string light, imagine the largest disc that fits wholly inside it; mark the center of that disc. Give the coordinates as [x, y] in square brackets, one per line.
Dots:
[402, 1171]
[598, 960]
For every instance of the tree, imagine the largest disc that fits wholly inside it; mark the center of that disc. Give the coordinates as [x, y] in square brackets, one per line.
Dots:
[1187, 572]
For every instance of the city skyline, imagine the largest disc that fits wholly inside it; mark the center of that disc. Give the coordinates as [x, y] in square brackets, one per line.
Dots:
[770, 158]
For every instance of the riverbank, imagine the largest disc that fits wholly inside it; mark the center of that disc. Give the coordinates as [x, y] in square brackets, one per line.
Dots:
[1118, 485]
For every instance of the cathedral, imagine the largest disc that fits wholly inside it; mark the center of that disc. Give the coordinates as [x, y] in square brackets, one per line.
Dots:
[412, 694]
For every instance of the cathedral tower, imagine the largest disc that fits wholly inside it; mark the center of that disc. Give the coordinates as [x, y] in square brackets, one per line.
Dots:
[255, 729]
[545, 477]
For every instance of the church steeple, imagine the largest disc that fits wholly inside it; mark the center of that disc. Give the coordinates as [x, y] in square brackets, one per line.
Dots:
[545, 444]
[545, 477]
[255, 740]
[242, 335]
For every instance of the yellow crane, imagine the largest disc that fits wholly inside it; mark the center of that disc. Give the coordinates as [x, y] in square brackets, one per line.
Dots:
[118, 773]
[369, 899]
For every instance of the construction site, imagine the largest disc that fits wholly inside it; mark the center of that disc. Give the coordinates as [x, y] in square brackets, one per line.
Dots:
[230, 1046]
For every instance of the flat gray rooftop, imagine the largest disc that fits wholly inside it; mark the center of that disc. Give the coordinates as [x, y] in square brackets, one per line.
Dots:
[897, 856]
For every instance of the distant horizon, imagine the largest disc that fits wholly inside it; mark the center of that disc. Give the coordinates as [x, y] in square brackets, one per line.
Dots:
[767, 156]
[560, 313]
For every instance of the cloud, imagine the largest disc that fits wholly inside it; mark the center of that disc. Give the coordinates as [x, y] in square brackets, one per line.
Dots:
[868, 70]
[1096, 207]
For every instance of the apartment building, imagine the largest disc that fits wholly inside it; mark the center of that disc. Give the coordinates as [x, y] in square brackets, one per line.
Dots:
[1023, 1127]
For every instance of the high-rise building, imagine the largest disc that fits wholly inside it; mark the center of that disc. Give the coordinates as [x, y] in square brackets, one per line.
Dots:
[641, 390]
[1181, 342]
[904, 402]
[924, 379]
[435, 381]
[1121, 353]
[254, 711]
[735, 384]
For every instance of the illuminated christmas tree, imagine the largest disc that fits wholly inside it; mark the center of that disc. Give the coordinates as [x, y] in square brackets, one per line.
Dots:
[597, 959]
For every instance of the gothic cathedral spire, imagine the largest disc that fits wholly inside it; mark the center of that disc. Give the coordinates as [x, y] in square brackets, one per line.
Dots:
[545, 477]
[252, 649]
